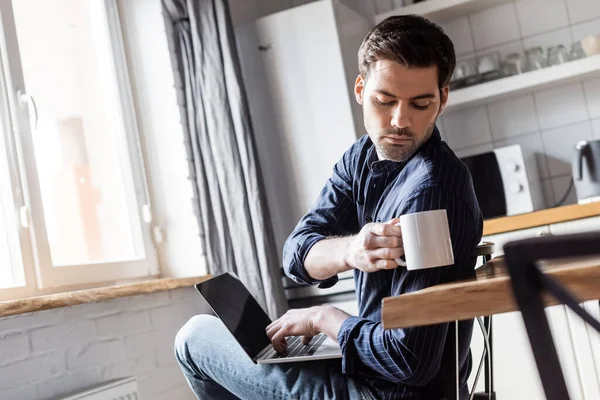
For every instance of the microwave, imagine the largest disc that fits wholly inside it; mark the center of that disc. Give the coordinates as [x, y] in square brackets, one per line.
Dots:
[500, 181]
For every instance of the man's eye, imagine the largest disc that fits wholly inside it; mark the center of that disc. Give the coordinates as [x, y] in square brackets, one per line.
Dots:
[384, 103]
[421, 106]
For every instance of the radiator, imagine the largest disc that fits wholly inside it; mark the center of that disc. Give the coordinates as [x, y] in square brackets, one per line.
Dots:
[118, 389]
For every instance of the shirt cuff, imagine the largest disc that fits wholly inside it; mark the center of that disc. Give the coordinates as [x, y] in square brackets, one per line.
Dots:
[298, 272]
[349, 331]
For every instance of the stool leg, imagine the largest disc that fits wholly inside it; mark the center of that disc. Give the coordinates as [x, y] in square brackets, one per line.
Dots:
[457, 361]
[489, 362]
[487, 322]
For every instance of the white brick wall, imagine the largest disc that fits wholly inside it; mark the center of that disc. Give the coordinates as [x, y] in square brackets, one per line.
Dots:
[546, 123]
[54, 352]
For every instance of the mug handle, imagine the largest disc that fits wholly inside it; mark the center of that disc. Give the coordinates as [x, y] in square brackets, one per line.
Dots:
[400, 261]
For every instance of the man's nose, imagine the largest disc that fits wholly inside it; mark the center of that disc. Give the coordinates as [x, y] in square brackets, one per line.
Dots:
[400, 116]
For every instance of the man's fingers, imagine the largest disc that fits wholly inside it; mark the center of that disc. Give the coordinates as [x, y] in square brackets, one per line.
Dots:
[278, 341]
[306, 340]
[273, 328]
[386, 264]
[377, 242]
[386, 230]
[272, 324]
[385, 253]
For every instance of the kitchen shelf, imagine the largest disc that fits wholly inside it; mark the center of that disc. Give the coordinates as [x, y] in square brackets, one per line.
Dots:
[442, 10]
[546, 78]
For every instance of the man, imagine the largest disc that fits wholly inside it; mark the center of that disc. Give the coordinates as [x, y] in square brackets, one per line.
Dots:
[401, 167]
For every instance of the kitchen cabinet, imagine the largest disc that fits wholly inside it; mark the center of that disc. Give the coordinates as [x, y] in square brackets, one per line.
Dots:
[578, 226]
[299, 68]
[578, 347]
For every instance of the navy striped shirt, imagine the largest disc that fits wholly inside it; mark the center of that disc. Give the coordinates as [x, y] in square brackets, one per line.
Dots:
[417, 362]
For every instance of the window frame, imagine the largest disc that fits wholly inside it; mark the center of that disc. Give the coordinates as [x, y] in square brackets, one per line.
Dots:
[39, 273]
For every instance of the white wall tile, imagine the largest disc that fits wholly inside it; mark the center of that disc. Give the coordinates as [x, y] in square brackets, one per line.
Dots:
[592, 95]
[561, 106]
[532, 21]
[459, 31]
[596, 128]
[561, 186]
[584, 29]
[513, 117]
[533, 152]
[495, 26]
[471, 151]
[548, 192]
[466, 128]
[560, 36]
[583, 10]
[559, 145]
[537, 195]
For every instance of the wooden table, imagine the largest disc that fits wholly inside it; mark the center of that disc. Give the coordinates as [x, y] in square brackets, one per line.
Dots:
[487, 294]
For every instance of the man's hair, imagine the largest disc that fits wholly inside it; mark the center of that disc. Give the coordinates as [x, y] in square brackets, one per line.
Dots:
[412, 41]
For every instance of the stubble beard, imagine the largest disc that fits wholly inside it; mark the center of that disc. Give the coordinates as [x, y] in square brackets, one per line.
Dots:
[401, 153]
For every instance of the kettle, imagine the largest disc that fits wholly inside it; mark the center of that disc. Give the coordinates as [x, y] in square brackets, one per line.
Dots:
[586, 171]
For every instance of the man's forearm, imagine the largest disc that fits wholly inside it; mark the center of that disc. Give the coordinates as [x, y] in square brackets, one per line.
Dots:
[329, 320]
[328, 257]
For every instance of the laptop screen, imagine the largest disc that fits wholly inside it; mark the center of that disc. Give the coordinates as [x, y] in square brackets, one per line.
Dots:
[239, 311]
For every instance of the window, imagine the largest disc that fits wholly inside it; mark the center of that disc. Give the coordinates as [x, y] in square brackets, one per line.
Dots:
[73, 193]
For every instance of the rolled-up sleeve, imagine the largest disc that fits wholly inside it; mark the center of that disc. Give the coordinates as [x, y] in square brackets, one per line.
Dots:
[333, 214]
[412, 356]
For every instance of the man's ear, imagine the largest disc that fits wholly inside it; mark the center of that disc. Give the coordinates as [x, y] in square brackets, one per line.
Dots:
[359, 87]
[443, 99]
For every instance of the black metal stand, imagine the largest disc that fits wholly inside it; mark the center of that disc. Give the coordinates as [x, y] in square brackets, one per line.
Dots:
[488, 393]
[529, 283]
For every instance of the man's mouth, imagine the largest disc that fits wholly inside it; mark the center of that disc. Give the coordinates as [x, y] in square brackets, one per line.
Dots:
[397, 140]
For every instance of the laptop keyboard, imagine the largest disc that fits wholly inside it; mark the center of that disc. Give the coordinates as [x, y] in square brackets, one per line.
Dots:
[295, 348]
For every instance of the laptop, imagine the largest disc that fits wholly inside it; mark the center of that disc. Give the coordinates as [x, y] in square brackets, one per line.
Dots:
[247, 321]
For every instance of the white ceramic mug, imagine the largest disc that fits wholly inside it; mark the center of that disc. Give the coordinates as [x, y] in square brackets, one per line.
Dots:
[426, 240]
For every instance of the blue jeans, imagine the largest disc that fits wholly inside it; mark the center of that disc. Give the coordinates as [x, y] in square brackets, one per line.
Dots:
[216, 367]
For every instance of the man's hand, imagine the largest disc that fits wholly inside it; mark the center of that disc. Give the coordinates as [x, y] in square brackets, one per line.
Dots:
[306, 322]
[297, 322]
[376, 246]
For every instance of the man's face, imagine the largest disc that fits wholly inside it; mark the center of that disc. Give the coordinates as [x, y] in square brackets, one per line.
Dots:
[400, 107]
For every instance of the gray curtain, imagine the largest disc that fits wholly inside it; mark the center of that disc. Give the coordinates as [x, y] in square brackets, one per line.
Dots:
[228, 193]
